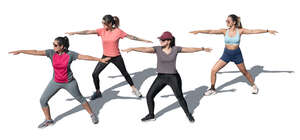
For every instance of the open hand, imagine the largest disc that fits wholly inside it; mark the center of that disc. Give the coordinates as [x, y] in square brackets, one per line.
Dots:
[273, 32]
[15, 52]
[208, 49]
[147, 41]
[70, 33]
[105, 60]
[194, 32]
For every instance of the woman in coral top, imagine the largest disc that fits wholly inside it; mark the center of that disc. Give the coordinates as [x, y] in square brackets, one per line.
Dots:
[110, 34]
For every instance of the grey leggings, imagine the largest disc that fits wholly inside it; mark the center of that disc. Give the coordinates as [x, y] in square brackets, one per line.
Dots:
[53, 87]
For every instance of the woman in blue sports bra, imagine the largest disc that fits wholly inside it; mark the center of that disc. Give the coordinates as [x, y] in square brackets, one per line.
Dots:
[232, 51]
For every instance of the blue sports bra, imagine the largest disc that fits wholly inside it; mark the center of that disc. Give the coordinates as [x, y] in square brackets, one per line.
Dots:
[232, 40]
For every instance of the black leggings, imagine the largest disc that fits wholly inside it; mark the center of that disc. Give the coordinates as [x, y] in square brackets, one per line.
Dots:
[174, 81]
[117, 61]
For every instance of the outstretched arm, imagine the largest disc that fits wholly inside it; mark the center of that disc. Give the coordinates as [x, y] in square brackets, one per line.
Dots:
[191, 50]
[140, 49]
[91, 58]
[84, 32]
[137, 39]
[30, 52]
[257, 31]
[220, 31]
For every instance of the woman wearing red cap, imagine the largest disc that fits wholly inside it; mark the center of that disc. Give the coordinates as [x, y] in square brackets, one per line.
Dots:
[232, 51]
[110, 34]
[167, 73]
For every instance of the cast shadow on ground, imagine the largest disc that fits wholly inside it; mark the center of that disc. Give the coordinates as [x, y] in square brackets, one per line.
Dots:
[111, 93]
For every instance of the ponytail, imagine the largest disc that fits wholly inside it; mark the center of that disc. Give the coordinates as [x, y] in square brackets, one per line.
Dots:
[66, 44]
[239, 23]
[113, 20]
[172, 44]
[116, 22]
[237, 20]
[64, 41]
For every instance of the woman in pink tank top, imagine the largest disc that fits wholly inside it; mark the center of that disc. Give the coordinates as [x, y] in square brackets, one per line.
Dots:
[110, 35]
[61, 58]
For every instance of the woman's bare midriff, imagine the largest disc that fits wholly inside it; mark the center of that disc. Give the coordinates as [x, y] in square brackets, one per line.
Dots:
[231, 47]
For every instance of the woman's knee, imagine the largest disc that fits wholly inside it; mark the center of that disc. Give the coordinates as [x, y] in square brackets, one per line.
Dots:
[77, 95]
[179, 95]
[149, 96]
[43, 102]
[214, 70]
[244, 72]
[95, 75]
[81, 99]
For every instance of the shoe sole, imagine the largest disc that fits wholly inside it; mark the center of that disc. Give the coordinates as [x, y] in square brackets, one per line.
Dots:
[141, 96]
[95, 98]
[46, 126]
[256, 92]
[210, 94]
[138, 96]
[95, 122]
[149, 120]
[191, 121]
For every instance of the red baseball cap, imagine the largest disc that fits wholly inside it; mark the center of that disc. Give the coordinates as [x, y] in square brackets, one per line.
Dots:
[166, 35]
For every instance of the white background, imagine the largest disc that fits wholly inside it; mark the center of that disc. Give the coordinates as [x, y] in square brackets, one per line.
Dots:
[235, 114]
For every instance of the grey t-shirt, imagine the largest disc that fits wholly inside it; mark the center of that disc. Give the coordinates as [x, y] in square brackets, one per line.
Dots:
[166, 63]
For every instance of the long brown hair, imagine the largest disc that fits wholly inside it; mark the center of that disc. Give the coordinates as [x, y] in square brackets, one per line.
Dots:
[114, 20]
[237, 20]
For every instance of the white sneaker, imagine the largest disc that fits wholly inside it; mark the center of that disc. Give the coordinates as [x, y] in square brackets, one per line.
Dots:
[254, 89]
[210, 92]
[137, 93]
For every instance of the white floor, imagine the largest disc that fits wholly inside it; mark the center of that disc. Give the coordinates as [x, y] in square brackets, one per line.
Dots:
[233, 114]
